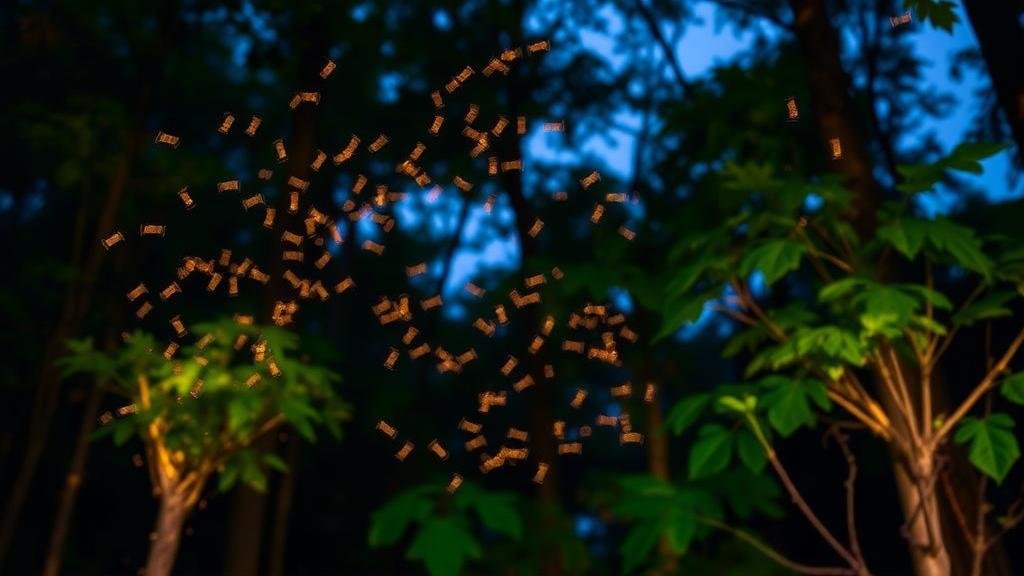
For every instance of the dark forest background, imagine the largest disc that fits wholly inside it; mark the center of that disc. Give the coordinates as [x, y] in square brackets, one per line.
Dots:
[90, 83]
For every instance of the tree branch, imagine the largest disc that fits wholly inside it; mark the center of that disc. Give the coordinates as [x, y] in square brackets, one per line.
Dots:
[670, 55]
[798, 499]
[851, 464]
[979, 391]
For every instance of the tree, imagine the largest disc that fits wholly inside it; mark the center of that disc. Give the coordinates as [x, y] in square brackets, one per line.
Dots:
[199, 416]
[1000, 35]
[861, 323]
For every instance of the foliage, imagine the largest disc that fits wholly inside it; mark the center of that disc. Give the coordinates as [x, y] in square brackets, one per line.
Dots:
[993, 447]
[939, 12]
[802, 356]
[201, 399]
[443, 539]
[684, 513]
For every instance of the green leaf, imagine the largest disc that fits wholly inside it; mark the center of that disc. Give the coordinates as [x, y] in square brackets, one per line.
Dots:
[929, 324]
[774, 258]
[750, 451]
[934, 297]
[788, 401]
[443, 544]
[993, 447]
[227, 478]
[1012, 388]
[750, 177]
[680, 532]
[686, 412]
[711, 451]
[275, 462]
[682, 311]
[685, 277]
[249, 471]
[939, 12]
[961, 243]
[747, 493]
[638, 544]
[907, 236]
[887, 309]
[838, 289]
[967, 156]
[299, 413]
[123, 431]
[735, 404]
[498, 513]
[992, 305]
[646, 485]
[747, 339]
[388, 523]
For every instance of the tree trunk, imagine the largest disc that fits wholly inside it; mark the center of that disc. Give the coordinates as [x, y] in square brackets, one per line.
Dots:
[657, 466]
[167, 534]
[1000, 34]
[246, 536]
[921, 506]
[76, 301]
[248, 514]
[835, 117]
[833, 110]
[73, 481]
[541, 396]
[78, 296]
[283, 507]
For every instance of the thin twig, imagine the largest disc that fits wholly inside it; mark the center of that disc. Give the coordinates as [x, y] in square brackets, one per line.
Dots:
[773, 554]
[986, 383]
[747, 9]
[798, 499]
[952, 333]
[954, 504]
[851, 464]
[670, 55]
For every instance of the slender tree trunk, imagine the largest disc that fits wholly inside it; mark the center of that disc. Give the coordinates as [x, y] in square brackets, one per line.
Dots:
[245, 541]
[1000, 34]
[658, 466]
[835, 118]
[167, 534]
[542, 396]
[72, 483]
[283, 507]
[833, 108]
[76, 301]
[248, 515]
[921, 504]
[78, 296]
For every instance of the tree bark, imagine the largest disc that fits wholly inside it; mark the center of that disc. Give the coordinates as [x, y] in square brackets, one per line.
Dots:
[1001, 37]
[167, 535]
[834, 112]
[835, 118]
[921, 504]
[72, 483]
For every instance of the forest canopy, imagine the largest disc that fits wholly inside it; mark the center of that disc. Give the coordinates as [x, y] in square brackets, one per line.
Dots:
[512, 287]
